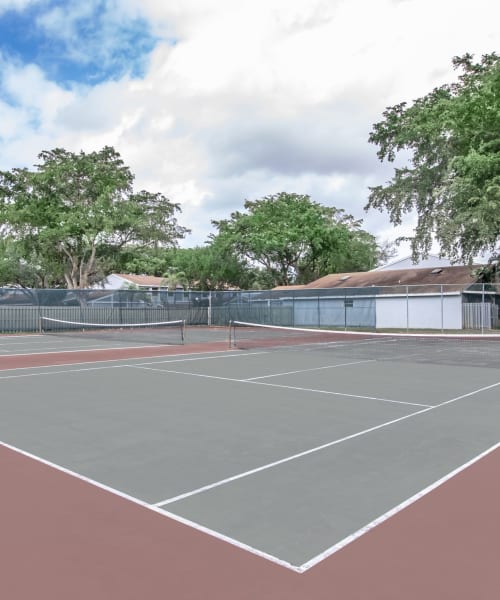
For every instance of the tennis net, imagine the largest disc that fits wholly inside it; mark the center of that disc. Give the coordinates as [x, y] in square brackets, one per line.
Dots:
[165, 332]
[454, 349]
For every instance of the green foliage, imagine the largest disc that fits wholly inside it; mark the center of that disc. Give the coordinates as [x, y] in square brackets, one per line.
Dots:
[174, 278]
[453, 181]
[75, 213]
[209, 267]
[144, 260]
[212, 267]
[296, 239]
[26, 269]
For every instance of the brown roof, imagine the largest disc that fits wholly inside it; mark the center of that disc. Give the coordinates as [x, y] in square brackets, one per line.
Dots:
[149, 280]
[455, 278]
[290, 287]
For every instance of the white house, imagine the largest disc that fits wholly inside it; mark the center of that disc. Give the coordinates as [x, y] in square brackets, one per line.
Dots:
[120, 281]
[153, 289]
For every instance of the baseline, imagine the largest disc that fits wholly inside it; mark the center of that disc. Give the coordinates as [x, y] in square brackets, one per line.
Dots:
[123, 353]
[152, 507]
[424, 550]
[185, 358]
[394, 511]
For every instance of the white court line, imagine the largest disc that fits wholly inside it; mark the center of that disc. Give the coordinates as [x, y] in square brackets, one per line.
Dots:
[221, 354]
[79, 370]
[58, 349]
[21, 336]
[174, 517]
[358, 362]
[300, 389]
[390, 513]
[278, 385]
[24, 341]
[97, 347]
[298, 569]
[100, 368]
[271, 558]
[221, 482]
[282, 461]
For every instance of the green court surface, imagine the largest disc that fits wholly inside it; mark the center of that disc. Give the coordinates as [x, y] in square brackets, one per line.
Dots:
[288, 452]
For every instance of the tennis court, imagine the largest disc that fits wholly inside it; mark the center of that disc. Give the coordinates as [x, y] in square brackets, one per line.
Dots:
[274, 467]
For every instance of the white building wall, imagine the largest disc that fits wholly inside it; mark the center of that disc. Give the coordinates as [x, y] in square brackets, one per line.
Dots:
[112, 282]
[419, 312]
[391, 312]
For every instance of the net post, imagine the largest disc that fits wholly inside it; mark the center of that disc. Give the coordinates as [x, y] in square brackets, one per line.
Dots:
[229, 334]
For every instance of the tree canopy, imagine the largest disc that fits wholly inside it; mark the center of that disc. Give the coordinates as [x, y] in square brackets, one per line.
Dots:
[212, 267]
[297, 240]
[453, 177]
[75, 218]
[68, 219]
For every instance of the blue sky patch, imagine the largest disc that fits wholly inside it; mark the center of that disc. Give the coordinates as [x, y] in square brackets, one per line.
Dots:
[77, 42]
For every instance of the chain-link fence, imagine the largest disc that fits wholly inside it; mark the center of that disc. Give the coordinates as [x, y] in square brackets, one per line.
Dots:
[431, 307]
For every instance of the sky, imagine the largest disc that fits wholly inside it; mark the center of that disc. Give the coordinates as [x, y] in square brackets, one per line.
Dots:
[214, 102]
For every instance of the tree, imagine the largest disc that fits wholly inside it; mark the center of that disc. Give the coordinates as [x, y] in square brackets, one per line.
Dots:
[144, 260]
[14, 269]
[174, 278]
[78, 211]
[213, 266]
[209, 267]
[23, 269]
[453, 181]
[296, 239]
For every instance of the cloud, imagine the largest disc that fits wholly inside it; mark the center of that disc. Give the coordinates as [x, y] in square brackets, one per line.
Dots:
[72, 41]
[322, 140]
[6, 5]
[29, 109]
[236, 100]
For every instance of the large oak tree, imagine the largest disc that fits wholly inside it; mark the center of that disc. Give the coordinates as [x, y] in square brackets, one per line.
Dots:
[297, 240]
[452, 180]
[72, 215]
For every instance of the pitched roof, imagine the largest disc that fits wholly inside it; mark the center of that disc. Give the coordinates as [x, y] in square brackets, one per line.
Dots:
[458, 278]
[149, 280]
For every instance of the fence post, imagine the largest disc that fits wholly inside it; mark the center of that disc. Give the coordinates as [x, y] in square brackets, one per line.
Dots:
[38, 304]
[482, 309]
[407, 309]
[442, 309]
[345, 310]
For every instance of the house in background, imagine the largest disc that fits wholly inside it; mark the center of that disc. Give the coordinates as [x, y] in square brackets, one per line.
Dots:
[119, 281]
[433, 297]
[154, 289]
